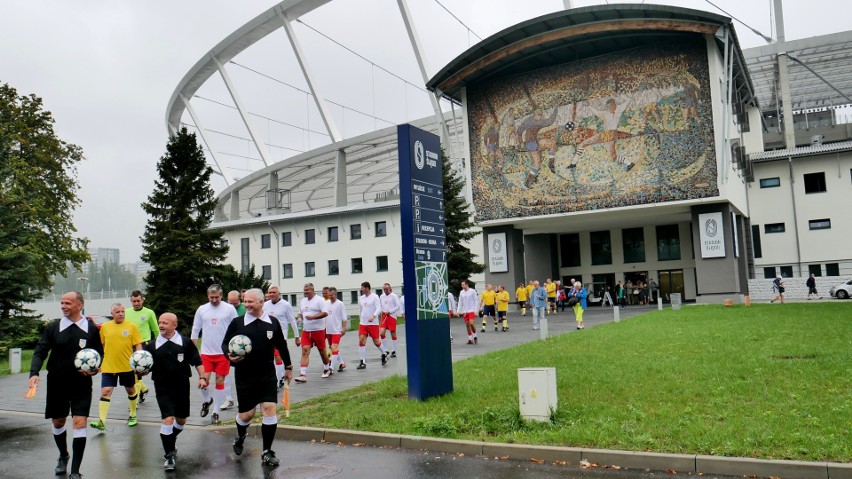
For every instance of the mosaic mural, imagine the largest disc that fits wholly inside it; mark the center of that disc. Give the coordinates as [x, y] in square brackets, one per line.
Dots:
[622, 129]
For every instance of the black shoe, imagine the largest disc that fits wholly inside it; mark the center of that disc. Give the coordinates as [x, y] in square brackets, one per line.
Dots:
[384, 359]
[268, 458]
[205, 408]
[169, 465]
[363, 365]
[142, 396]
[495, 329]
[238, 444]
[214, 419]
[75, 475]
[280, 383]
[393, 354]
[476, 340]
[62, 465]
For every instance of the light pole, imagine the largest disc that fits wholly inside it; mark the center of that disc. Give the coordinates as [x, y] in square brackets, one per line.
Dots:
[83, 280]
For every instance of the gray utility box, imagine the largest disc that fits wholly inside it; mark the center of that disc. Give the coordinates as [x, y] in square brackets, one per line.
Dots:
[676, 300]
[537, 393]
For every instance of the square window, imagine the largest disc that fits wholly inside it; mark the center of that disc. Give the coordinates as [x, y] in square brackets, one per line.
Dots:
[287, 270]
[821, 224]
[601, 247]
[340, 295]
[310, 268]
[355, 232]
[774, 228]
[832, 269]
[815, 269]
[569, 249]
[769, 272]
[786, 271]
[286, 239]
[332, 233]
[633, 242]
[381, 263]
[357, 265]
[353, 297]
[265, 241]
[333, 267]
[310, 236]
[668, 243]
[770, 182]
[292, 299]
[381, 228]
[267, 271]
[815, 183]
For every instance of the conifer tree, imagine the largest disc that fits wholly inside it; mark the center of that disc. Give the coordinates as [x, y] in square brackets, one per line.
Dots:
[458, 227]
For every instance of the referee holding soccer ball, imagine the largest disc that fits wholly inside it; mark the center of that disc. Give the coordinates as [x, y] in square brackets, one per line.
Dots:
[254, 373]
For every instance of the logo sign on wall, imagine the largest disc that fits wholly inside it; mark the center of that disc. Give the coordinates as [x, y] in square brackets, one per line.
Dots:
[498, 261]
[712, 235]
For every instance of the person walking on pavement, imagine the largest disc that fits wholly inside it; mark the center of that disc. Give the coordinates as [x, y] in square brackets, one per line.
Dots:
[468, 306]
[581, 294]
[212, 320]
[144, 319]
[371, 310]
[778, 286]
[539, 304]
[811, 284]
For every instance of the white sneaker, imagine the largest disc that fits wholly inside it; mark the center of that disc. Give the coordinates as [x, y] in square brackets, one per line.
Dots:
[326, 373]
[301, 379]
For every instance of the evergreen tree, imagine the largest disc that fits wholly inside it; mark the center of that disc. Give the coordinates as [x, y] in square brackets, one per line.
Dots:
[184, 254]
[458, 228]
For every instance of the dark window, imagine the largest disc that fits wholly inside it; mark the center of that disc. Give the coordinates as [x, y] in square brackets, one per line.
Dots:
[265, 241]
[569, 247]
[310, 236]
[815, 269]
[832, 269]
[286, 239]
[821, 224]
[773, 228]
[381, 263]
[770, 182]
[381, 228]
[353, 297]
[769, 272]
[340, 295]
[755, 241]
[601, 247]
[333, 267]
[815, 182]
[310, 268]
[292, 299]
[267, 271]
[668, 243]
[287, 270]
[357, 265]
[786, 271]
[245, 262]
[354, 232]
[633, 240]
[332, 233]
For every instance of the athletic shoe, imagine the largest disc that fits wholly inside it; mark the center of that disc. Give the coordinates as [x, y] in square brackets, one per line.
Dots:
[228, 404]
[214, 419]
[169, 465]
[341, 367]
[476, 340]
[75, 475]
[483, 330]
[326, 373]
[238, 444]
[268, 458]
[384, 358]
[363, 365]
[393, 354]
[495, 329]
[131, 421]
[469, 341]
[280, 383]
[62, 465]
[142, 395]
[205, 407]
[301, 379]
[99, 425]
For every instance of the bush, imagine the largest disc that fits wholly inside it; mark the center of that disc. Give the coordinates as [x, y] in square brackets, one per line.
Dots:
[20, 333]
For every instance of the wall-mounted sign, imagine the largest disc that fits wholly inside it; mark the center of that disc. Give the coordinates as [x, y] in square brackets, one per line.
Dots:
[498, 258]
[712, 235]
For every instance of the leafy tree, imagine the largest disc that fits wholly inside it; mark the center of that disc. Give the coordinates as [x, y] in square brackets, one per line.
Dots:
[231, 279]
[38, 195]
[458, 228]
[184, 254]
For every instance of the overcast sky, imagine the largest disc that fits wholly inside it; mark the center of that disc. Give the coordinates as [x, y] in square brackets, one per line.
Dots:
[106, 69]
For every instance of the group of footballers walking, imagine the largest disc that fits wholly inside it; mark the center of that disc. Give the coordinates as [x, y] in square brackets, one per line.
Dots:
[263, 317]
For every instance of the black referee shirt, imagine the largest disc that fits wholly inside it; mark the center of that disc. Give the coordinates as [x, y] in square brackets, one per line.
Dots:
[173, 362]
[63, 346]
[259, 363]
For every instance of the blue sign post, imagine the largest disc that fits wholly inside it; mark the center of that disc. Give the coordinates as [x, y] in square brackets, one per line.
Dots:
[424, 263]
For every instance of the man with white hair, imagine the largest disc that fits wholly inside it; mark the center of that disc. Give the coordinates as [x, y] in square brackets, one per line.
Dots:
[280, 309]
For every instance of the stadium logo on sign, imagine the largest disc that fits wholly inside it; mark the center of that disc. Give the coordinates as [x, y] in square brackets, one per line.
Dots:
[419, 155]
[710, 228]
[497, 246]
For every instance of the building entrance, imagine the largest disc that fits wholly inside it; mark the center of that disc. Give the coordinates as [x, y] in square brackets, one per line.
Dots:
[671, 281]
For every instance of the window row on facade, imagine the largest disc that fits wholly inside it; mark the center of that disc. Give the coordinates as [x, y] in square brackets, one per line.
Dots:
[831, 269]
[357, 266]
[813, 182]
[332, 235]
[633, 243]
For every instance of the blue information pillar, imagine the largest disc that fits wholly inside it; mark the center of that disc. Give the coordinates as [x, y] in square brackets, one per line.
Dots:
[424, 264]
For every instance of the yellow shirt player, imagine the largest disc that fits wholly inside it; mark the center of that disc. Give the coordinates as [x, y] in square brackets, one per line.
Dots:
[502, 298]
[550, 287]
[529, 290]
[488, 300]
[144, 319]
[120, 338]
[522, 295]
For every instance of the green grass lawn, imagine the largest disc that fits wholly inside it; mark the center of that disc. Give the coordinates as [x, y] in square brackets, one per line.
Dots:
[26, 359]
[770, 381]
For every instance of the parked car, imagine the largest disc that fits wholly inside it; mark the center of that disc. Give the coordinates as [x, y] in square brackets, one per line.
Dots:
[842, 291]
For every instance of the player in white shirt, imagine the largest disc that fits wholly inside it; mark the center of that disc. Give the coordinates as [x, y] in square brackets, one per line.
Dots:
[371, 310]
[280, 309]
[451, 309]
[468, 306]
[336, 324]
[312, 312]
[391, 308]
[212, 320]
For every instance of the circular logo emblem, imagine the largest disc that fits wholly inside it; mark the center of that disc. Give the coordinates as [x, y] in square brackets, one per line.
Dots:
[497, 246]
[419, 155]
[710, 227]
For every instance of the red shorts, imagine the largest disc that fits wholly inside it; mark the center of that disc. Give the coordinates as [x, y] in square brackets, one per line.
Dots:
[216, 363]
[313, 338]
[469, 316]
[388, 322]
[333, 338]
[371, 331]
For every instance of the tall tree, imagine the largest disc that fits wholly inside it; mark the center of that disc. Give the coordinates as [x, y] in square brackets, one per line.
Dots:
[38, 195]
[183, 252]
[459, 229]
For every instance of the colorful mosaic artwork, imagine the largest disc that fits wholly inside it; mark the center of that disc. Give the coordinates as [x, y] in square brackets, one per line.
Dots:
[622, 129]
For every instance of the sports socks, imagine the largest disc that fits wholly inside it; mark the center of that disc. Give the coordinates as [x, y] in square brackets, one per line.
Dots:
[362, 353]
[394, 344]
[242, 426]
[335, 360]
[78, 446]
[228, 393]
[218, 397]
[103, 408]
[133, 400]
[168, 437]
[205, 394]
[303, 369]
[60, 437]
[279, 369]
[178, 428]
[140, 386]
[267, 431]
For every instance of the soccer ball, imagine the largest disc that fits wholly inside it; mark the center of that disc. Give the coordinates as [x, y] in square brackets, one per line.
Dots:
[87, 360]
[239, 345]
[141, 361]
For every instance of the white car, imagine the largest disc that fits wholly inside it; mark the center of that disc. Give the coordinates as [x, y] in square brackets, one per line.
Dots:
[842, 291]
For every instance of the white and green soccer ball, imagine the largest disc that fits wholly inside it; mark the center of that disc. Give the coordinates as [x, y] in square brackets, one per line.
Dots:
[239, 345]
[87, 360]
[141, 361]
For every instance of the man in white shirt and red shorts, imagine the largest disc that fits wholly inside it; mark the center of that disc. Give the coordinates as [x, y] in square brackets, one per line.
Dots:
[391, 308]
[312, 311]
[371, 310]
[336, 324]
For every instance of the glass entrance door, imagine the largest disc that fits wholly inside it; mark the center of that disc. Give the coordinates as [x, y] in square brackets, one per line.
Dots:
[671, 281]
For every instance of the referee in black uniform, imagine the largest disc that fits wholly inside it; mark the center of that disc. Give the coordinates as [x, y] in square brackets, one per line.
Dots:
[254, 373]
[174, 357]
[67, 388]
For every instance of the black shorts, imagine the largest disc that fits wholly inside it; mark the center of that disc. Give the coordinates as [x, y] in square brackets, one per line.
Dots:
[64, 395]
[173, 399]
[812, 290]
[522, 304]
[551, 300]
[501, 314]
[488, 310]
[111, 380]
[249, 396]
